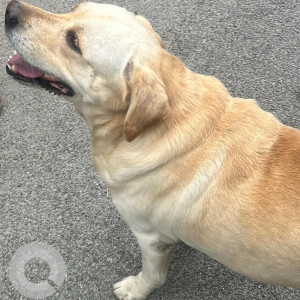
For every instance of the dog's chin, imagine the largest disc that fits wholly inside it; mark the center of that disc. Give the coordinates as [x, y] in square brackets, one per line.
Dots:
[20, 69]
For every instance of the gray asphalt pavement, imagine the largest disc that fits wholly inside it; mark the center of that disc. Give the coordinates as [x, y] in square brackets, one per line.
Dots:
[50, 193]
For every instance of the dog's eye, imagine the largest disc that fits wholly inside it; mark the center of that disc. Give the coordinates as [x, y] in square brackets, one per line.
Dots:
[73, 41]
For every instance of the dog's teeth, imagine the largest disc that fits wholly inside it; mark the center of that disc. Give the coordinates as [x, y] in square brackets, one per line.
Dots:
[15, 52]
[48, 76]
[9, 66]
[14, 69]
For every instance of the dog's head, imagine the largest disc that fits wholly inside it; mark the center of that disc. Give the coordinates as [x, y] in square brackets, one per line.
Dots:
[97, 54]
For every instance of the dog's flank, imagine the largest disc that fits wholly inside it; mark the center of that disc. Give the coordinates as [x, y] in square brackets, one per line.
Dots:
[182, 158]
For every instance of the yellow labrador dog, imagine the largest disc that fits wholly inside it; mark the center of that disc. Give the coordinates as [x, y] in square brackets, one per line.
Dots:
[183, 159]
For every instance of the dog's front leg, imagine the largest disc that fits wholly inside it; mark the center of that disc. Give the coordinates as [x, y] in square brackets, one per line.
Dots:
[156, 252]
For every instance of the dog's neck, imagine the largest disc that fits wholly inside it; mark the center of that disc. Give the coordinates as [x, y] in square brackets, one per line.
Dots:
[201, 100]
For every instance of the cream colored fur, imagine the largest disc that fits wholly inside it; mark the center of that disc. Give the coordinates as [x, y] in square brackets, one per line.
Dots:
[182, 158]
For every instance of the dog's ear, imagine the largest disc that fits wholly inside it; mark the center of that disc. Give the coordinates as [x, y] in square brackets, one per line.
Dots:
[148, 101]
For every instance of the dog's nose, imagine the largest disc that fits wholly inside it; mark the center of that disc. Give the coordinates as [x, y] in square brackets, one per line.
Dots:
[13, 12]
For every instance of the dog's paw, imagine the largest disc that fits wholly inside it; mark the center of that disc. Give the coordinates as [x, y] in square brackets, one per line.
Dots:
[131, 288]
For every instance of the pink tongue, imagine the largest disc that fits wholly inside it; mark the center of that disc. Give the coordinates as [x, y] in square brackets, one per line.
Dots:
[24, 68]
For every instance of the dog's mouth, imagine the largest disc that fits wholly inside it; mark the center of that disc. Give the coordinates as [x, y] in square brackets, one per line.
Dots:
[22, 70]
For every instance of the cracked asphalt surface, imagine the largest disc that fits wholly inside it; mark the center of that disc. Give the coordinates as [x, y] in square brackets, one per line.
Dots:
[50, 193]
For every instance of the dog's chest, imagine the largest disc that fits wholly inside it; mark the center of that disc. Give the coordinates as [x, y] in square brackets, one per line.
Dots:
[149, 203]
